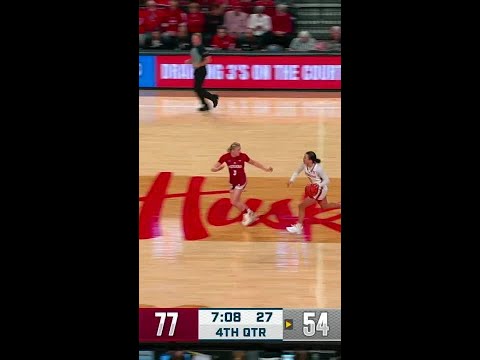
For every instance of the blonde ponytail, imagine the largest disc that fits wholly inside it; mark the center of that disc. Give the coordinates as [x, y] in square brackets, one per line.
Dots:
[233, 146]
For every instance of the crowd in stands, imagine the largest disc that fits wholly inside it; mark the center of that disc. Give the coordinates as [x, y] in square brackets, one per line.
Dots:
[227, 25]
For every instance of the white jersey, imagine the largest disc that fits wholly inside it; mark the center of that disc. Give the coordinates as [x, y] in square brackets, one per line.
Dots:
[315, 174]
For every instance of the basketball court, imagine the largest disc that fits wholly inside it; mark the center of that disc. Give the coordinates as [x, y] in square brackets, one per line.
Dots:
[193, 249]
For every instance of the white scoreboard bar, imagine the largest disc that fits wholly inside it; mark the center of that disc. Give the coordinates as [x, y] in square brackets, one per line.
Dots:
[240, 324]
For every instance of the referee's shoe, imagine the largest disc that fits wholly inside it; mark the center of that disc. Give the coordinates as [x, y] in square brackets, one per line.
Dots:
[215, 101]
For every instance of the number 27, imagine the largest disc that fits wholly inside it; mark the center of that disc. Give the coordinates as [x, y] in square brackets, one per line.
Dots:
[260, 316]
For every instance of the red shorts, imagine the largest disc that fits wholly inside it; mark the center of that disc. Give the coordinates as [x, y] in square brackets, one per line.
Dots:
[238, 187]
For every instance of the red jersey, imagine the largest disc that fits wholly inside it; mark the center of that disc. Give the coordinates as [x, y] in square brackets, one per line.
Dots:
[172, 18]
[142, 14]
[224, 43]
[236, 167]
[282, 22]
[219, 2]
[150, 20]
[195, 22]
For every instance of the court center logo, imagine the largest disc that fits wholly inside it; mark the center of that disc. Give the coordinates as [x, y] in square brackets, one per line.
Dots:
[277, 217]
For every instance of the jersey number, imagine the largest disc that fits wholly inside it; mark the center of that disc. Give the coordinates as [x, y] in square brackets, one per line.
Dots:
[234, 172]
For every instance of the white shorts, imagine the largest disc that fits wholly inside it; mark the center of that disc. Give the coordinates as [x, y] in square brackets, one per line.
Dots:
[321, 194]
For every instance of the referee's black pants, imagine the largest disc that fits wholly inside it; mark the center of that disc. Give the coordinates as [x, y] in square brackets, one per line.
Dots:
[199, 75]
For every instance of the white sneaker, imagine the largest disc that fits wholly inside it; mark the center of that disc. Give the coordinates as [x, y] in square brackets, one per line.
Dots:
[295, 229]
[248, 218]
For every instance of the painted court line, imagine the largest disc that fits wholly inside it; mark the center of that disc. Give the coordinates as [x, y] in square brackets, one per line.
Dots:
[245, 107]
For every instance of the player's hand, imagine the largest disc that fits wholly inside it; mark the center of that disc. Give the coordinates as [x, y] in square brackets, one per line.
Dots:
[289, 183]
[187, 61]
[269, 169]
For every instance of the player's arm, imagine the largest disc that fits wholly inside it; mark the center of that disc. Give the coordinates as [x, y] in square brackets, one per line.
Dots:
[325, 179]
[217, 167]
[188, 61]
[294, 175]
[260, 166]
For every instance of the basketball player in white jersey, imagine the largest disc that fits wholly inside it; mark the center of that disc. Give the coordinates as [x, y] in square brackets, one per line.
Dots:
[315, 173]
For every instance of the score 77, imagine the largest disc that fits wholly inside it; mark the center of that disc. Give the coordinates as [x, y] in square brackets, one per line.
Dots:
[163, 316]
[322, 324]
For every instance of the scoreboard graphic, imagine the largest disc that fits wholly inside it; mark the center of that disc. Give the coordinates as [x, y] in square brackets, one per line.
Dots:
[229, 324]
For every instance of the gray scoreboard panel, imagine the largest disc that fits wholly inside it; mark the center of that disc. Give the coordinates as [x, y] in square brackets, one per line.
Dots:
[311, 325]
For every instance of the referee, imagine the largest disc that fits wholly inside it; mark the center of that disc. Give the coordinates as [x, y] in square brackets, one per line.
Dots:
[200, 57]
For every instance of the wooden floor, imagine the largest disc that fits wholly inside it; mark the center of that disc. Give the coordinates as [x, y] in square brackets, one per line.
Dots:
[193, 249]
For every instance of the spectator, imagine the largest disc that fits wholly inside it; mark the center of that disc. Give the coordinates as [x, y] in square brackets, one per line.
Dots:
[222, 40]
[289, 3]
[163, 3]
[141, 26]
[223, 4]
[282, 27]
[292, 10]
[172, 18]
[156, 41]
[214, 20]
[204, 5]
[269, 6]
[236, 22]
[152, 17]
[303, 42]
[183, 4]
[261, 25]
[183, 38]
[248, 42]
[150, 20]
[246, 5]
[335, 44]
[195, 19]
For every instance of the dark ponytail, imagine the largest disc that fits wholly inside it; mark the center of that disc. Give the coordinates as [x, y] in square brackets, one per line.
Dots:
[312, 156]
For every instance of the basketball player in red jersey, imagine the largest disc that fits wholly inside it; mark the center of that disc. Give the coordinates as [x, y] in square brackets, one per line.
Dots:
[235, 161]
[316, 191]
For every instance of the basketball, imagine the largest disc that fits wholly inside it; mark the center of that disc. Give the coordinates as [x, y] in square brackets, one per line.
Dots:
[311, 190]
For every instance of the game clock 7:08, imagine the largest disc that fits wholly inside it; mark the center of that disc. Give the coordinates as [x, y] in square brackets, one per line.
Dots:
[240, 324]
[262, 316]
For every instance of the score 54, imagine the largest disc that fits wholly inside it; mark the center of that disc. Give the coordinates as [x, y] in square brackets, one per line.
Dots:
[312, 325]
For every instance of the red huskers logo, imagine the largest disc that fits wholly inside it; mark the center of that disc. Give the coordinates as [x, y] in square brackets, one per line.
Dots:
[278, 217]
